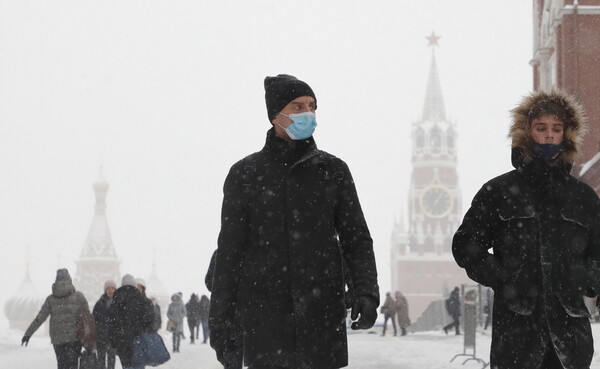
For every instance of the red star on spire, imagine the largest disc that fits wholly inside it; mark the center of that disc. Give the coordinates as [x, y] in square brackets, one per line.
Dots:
[433, 39]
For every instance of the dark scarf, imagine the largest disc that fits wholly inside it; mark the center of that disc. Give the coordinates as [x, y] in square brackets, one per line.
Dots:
[548, 178]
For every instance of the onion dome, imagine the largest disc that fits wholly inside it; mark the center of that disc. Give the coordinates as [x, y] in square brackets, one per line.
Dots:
[22, 308]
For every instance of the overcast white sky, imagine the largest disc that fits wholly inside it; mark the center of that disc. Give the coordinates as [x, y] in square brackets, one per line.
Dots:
[167, 95]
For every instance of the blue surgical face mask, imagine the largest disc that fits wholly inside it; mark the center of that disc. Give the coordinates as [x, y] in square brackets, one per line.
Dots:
[303, 125]
[546, 152]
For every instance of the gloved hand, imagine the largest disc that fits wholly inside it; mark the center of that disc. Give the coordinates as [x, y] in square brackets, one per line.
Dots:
[367, 308]
[25, 340]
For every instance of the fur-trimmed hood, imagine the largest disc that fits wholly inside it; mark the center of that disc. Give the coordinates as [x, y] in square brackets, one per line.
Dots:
[574, 120]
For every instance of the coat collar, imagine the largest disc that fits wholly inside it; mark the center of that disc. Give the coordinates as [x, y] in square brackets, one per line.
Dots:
[289, 152]
[549, 180]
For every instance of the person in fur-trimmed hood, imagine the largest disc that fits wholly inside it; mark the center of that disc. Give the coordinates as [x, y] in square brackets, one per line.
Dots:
[543, 227]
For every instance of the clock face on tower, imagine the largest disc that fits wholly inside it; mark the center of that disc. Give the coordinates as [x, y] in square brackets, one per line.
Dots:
[436, 201]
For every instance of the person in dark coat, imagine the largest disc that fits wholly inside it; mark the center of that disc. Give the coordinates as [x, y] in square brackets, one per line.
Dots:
[278, 262]
[192, 308]
[453, 309]
[130, 315]
[388, 309]
[62, 306]
[203, 316]
[140, 283]
[543, 228]
[157, 315]
[101, 314]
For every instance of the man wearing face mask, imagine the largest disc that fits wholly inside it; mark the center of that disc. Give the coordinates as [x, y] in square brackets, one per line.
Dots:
[543, 227]
[278, 262]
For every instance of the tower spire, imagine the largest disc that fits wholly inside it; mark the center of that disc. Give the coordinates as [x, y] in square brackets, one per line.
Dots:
[433, 108]
[98, 261]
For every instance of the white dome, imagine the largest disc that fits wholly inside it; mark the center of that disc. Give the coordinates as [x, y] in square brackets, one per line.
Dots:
[25, 304]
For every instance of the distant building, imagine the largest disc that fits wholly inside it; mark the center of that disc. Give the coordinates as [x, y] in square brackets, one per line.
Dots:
[23, 307]
[422, 265]
[98, 261]
[566, 55]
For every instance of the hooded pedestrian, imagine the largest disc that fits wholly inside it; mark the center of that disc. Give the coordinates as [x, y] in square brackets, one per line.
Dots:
[62, 306]
[102, 318]
[533, 236]
[130, 315]
[176, 312]
[278, 261]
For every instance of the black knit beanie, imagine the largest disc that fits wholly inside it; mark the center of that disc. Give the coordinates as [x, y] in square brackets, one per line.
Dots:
[283, 89]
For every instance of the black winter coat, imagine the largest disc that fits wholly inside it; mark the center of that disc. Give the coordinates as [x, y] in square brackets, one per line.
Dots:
[130, 315]
[543, 226]
[453, 305]
[204, 308]
[102, 317]
[278, 259]
[193, 310]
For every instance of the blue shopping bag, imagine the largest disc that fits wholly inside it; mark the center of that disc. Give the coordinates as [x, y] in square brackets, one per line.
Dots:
[149, 349]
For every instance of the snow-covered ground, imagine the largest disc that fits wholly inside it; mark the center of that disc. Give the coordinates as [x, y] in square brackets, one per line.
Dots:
[426, 350]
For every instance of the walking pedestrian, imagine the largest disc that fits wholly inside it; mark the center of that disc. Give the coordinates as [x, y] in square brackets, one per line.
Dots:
[453, 309]
[192, 308]
[533, 235]
[176, 312]
[130, 315]
[388, 309]
[203, 316]
[278, 261]
[62, 306]
[157, 315]
[402, 312]
[101, 312]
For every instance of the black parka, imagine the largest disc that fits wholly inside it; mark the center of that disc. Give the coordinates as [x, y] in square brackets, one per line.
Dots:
[278, 258]
[130, 315]
[543, 227]
[453, 305]
[192, 308]
[102, 318]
